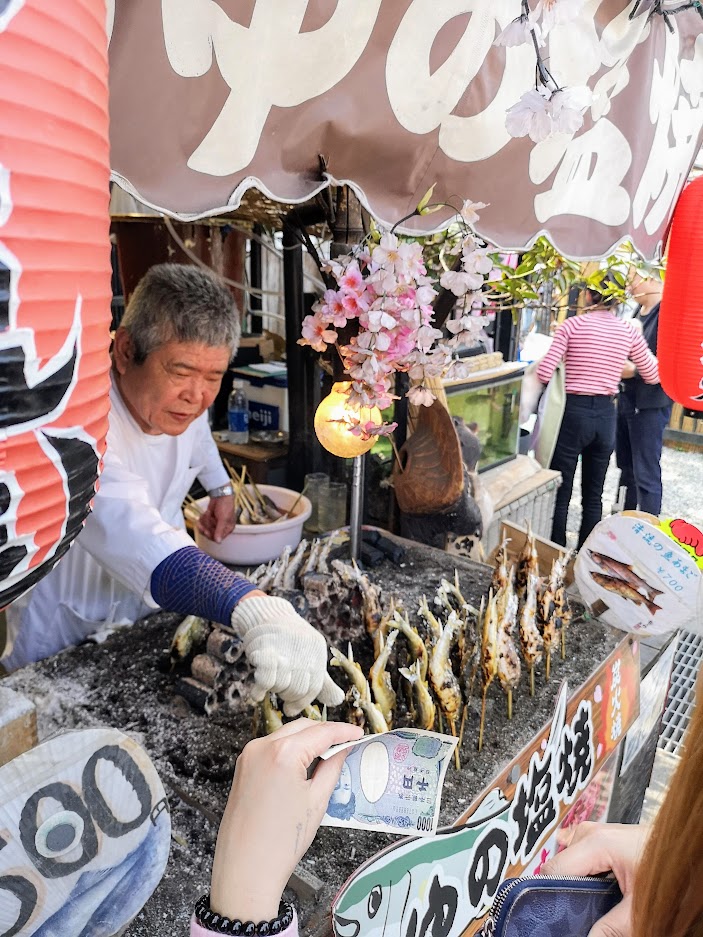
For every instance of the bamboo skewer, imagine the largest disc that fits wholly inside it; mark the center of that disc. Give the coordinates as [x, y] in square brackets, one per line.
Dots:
[510, 704]
[194, 506]
[483, 717]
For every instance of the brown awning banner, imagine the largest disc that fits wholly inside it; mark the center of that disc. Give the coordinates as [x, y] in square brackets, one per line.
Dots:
[212, 97]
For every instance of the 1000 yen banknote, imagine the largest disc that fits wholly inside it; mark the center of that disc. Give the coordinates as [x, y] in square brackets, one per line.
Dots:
[391, 782]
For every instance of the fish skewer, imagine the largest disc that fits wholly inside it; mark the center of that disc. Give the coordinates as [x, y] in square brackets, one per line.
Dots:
[530, 639]
[528, 564]
[508, 658]
[500, 572]
[442, 677]
[351, 669]
[470, 663]
[417, 646]
[272, 717]
[489, 656]
[547, 624]
[383, 692]
[374, 716]
[425, 709]
[433, 626]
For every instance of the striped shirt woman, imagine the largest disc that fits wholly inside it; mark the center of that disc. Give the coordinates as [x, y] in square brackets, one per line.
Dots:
[594, 348]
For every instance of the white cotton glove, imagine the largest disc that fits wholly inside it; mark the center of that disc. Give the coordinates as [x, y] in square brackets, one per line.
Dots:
[289, 657]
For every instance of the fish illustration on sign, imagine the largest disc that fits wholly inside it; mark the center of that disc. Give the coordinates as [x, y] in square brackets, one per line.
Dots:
[624, 571]
[421, 884]
[624, 590]
[85, 835]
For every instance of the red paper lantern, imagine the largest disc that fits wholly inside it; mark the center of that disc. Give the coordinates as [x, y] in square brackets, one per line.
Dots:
[54, 278]
[680, 341]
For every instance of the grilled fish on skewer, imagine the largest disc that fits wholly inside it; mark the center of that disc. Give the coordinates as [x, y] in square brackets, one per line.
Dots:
[500, 572]
[547, 625]
[422, 698]
[291, 573]
[191, 632]
[434, 627]
[312, 560]
[374, 716]
[417, 646]
[530, 638]
[283, 561]
[508, 658]
[444, 682]
[528, 564]
[624, 571]
[323, 559]
[351, 669]
[315, 713]
[355, 715]
[272, 717]
[625, 591]
[489, 656]
[381, 633]
[383, 692]
[370, 594]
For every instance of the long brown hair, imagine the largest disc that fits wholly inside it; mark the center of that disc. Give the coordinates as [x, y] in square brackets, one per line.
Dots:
[668, 896]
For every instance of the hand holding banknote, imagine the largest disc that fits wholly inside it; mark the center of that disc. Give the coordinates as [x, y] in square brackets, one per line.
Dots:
[391, 782]
[272, 815]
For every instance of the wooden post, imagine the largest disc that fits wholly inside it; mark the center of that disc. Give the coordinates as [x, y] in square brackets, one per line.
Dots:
[18, 725]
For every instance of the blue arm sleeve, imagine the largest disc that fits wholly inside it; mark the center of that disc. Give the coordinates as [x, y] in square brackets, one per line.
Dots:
[192, 582]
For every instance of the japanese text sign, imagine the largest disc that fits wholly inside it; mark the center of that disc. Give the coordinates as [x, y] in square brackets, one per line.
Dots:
[637, 577]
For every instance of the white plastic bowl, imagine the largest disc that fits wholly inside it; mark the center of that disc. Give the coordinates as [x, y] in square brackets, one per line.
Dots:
[251, 544]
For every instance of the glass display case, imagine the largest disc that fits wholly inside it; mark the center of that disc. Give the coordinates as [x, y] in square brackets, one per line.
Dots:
[491, 400]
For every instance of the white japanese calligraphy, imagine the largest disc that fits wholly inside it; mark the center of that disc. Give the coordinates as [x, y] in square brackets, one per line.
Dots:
[270, 63]
[423, 100]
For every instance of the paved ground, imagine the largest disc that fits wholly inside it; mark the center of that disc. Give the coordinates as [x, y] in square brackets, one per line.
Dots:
[682, 478]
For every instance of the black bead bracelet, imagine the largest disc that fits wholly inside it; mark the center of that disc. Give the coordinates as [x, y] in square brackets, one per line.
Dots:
[220, 924]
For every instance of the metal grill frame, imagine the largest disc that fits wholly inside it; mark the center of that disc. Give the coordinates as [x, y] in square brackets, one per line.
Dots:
[680, 700]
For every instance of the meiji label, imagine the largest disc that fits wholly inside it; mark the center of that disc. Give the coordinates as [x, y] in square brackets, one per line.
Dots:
[264, 415]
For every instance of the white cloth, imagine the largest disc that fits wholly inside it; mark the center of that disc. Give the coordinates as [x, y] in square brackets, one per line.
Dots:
[136, 523]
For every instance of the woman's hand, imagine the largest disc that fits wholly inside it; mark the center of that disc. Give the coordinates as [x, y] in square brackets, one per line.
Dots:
[272, 815]
[592, 848]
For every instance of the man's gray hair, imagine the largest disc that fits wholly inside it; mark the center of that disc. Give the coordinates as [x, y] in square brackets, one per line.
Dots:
[176, 302]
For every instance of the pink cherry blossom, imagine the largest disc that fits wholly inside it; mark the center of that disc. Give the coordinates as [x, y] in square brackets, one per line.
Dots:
[316, 334]
[352, 278]
[421, 396]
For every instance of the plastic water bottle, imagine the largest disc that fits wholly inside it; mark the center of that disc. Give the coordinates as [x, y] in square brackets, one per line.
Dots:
[238, 414]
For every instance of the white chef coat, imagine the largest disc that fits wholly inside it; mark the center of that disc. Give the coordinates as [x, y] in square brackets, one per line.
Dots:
[136, 522]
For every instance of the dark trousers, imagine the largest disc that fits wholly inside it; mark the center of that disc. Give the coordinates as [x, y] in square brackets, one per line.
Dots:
[638, 449]
[587, 430]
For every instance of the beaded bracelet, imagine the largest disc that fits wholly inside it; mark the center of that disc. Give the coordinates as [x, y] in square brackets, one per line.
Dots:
[207, 918]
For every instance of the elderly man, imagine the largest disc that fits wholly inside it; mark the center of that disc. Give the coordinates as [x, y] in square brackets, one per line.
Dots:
[179, 332]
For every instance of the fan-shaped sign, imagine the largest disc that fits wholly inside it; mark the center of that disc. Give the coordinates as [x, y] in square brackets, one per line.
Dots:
[54, 279]
[85, 835]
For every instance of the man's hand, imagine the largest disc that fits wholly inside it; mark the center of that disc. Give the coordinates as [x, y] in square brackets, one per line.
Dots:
[604, 847]
[219, 519]
[272, 815]
[289, 656]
